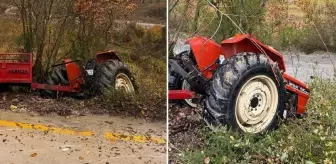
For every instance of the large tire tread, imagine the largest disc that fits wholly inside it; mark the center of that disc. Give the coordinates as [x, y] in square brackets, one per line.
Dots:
[56, 77]
[227, 81]
[106, 75]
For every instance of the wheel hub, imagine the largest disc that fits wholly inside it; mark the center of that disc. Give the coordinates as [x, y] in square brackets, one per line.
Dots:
[256, 104]
[123, 83]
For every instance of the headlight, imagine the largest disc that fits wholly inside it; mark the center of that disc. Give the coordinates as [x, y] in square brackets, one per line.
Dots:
[181, 48]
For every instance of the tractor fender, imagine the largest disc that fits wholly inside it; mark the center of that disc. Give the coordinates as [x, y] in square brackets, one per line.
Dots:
[103, 56]
[207, 51]
[246, 43]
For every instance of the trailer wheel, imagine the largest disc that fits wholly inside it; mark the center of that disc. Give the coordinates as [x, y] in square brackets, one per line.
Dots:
[114, 75]
[247, 94]
[57, 76]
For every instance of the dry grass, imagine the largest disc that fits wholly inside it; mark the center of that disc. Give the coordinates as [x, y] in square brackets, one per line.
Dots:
[144, 51]
[10, 32]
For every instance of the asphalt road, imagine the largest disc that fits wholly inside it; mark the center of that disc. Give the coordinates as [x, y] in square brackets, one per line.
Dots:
[303, 67]
[81, 139]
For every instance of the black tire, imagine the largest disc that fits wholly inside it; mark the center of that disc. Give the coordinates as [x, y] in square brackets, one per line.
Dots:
[227, 82]
[57, 76]
[107, 72]
[174, 80]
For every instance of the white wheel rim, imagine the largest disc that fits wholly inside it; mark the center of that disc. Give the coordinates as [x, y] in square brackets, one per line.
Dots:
[186, 86]
[123, 83]
[256, 104]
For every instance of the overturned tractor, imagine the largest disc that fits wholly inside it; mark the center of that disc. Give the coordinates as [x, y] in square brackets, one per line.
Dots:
[240, 83]
[107, 72]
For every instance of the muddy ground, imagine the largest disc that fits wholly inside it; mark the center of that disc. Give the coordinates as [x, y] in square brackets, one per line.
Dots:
[186, 125]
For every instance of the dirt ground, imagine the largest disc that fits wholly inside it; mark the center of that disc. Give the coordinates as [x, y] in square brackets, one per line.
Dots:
[30, 102]
[26, 130]
[185, 130]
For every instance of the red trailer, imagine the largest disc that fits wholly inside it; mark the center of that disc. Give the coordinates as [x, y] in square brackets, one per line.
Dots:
[16, 68]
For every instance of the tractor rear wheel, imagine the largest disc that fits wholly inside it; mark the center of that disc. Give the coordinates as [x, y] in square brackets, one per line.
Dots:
[114, 75]
[57, 76]
[247, 94]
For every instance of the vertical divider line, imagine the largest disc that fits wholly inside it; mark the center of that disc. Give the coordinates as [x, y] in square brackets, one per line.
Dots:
[167, 78]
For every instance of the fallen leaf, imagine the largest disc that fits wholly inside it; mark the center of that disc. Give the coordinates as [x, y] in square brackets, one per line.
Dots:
[65, 148]
[310, 162]
[81, 158]
[13, 107]
[33, 155]
[284, 157]
[15, 100]
[207, 160]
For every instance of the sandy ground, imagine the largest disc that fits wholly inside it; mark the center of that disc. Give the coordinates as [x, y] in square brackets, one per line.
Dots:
[22, 145]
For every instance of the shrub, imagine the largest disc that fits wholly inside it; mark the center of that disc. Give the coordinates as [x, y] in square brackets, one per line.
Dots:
[144, 51]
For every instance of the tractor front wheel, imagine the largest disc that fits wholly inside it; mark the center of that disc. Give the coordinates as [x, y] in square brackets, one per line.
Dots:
[190, 102]
[247, 93]
[114, 75]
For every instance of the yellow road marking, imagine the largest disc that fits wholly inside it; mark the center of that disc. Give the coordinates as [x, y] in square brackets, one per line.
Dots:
[108, 135]
[136, 138]
[44, 128]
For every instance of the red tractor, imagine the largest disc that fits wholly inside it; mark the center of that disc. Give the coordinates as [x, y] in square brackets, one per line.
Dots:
[240, 83]
[104, 73]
